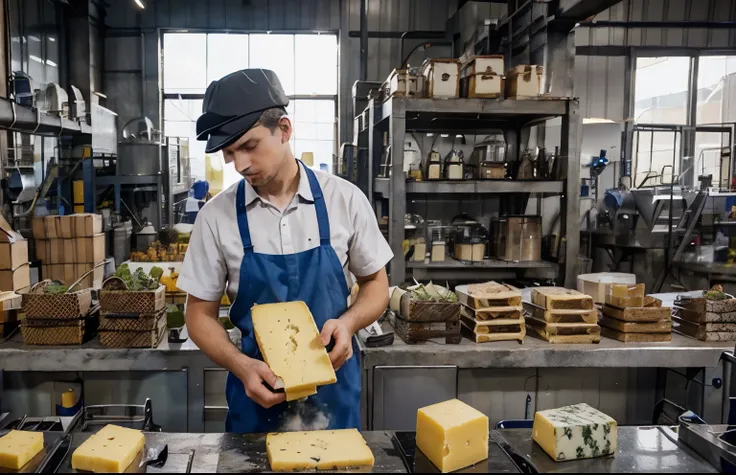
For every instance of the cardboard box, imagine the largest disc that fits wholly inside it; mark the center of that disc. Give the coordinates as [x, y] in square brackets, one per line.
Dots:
[13, 280]
[66, 227]
[39, 229]
[87, 225]
[13, 248]
[70, 274]
[90, 249]
[94, 279]
[43, 250]
[69, 248]
[56, 251]
[52, 227]
[13, 254]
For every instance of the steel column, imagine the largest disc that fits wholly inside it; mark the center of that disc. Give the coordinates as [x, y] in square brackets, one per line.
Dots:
[397, 189]
[571, 202]
[363, 41]
[88, 172]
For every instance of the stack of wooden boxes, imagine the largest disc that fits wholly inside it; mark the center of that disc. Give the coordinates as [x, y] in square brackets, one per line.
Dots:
[482, 77]
[58, 319]
[561, 315]
[15, 273]
[491, 312]
[707, 320]
[69, 247]
[630, 316]
[131, 319]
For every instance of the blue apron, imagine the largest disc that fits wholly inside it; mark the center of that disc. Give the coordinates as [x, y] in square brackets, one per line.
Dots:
[315, 277]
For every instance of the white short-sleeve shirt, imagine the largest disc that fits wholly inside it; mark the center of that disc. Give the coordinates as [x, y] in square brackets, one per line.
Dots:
[212, 262]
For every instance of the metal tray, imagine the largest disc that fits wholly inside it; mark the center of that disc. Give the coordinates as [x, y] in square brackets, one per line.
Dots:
[417, 462]
[49, 441]
[640, 450]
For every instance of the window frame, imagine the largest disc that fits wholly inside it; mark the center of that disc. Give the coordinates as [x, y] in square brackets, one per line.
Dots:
[691, 126]
[335, 98]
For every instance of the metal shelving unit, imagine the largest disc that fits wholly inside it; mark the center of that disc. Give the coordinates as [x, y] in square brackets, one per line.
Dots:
[397, 115]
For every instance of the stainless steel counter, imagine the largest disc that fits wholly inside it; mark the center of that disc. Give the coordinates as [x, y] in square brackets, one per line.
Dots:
[681, 352]
[640, 450]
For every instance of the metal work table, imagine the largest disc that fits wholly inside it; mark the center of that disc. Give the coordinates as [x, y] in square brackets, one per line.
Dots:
[681, 352]
[233, 453]
[640, 450]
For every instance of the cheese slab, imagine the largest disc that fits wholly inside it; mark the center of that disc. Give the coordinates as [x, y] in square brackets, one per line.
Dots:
[575, 432]
[452, 435]
[291, 346]
[318, 450]
[17, 448]
[300, 394]
[111, 450]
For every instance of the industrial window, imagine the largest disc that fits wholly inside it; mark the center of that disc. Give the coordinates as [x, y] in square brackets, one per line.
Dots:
[716, 89]
[661, 90]
[192, 60]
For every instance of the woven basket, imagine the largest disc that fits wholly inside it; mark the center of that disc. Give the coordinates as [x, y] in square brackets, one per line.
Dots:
[44, 332]
[126, 301]
[135, 339]
[128, 322]
[59, 306]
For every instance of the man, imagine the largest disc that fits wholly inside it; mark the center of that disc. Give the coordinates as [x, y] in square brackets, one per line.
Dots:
[284, 233]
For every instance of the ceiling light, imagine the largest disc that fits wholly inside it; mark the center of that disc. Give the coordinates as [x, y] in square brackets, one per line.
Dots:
[140, 4]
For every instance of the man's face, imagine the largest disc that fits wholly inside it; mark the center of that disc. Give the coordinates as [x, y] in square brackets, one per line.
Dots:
[259, 154]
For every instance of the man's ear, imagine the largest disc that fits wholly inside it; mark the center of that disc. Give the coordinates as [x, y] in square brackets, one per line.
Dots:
[286, 129]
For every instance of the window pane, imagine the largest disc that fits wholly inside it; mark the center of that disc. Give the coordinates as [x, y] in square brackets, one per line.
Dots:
[316, 53]
[225, 54]
[716, 89]
[185, 61]
[710, 158]
[180, 119]
[655, 154]
[275, 52]
[661, 90]
[322, 150]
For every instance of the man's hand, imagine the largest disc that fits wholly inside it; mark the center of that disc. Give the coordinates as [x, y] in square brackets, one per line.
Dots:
[343, 337]
[253, 373]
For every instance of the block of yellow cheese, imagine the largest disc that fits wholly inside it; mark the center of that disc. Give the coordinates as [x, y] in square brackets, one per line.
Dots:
[291, 346]
[17, 448]
[452, 435]
[575, 432]
[318, 450]
[111, 450]
[301, 393]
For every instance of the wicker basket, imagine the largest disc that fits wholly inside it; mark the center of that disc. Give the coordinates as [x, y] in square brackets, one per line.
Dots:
[45, 332]
[126, 301]
[135, 339]
[130, 322]
[69, 306]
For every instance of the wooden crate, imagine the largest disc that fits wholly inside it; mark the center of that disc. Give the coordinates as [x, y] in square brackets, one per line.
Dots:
[488, 295]
[512, 313]
[561, 316]
[55, 332]
[662, 326]
[636, 337]
[701, 304]
[565, 332]
[704, 317]
[710, 331]
[130, 322]
[418, 332]
[431, 312]
[558, 298]
[502, 333]
[637, 314]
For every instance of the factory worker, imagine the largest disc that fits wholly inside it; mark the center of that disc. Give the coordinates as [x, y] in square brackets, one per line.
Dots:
[283, 233]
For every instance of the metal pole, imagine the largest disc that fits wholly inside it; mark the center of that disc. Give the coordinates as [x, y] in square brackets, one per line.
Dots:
[727, 360]
[363, 41]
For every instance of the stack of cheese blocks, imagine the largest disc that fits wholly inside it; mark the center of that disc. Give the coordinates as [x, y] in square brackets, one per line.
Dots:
[706, 320]
[561, 315]
[111, 450]
[491, 312]
[630, 316]
[290, 343]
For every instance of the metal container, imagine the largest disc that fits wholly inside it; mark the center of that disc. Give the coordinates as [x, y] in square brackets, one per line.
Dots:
[145, 237]
[139, 159]
[121, 242]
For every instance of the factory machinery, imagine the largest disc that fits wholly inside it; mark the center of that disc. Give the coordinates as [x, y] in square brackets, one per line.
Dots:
[64, 157]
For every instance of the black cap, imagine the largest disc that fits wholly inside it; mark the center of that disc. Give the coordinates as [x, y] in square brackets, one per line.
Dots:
[234, 103]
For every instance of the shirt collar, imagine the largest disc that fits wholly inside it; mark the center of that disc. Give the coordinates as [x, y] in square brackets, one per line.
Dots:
[304, 191]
